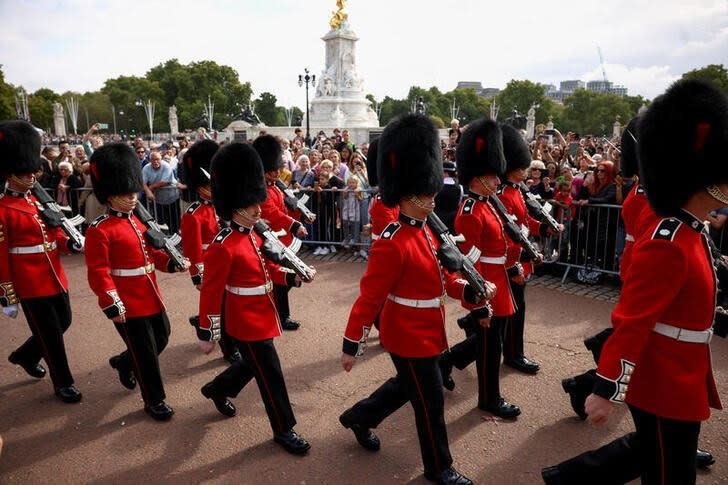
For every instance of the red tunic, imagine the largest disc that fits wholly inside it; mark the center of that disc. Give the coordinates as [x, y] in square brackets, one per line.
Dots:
[672, 281]
[31, 275]
[199, 227]
[515, 204]
[115, 241]
[234, 260]
[381, 215]
[403, 264]
[479, 223]
[637, 216]
[274, 211]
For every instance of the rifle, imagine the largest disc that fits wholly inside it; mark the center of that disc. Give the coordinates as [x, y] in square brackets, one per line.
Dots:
[463, 262]
[54, 216]
[157, 238]
[514, 232]
[539, 212]
[280, 253]
[294, 203]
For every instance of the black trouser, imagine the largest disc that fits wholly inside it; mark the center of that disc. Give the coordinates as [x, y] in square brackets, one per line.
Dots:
[419, 382]
[483, 345]
[48, 318]
[260, 360]
[280, 295]
[513, 339]
[145, 338]
[661, 451]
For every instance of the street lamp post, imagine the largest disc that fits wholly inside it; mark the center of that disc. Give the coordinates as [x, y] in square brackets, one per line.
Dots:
[301, 80]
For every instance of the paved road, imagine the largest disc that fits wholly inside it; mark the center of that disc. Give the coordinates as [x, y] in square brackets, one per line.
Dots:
[108, 439]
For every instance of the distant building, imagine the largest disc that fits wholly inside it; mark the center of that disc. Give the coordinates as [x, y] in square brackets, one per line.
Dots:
[568, 87]
[489, 92]
[478, 87]
[606, 87]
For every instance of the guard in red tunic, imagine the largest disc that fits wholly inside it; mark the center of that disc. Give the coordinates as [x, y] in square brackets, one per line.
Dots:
[518, 159]
[406, 282]
[657, 361]
[200, 224]
[30, 265]
[480, 160]
[278, 217]
[237, 290]
[121, 268]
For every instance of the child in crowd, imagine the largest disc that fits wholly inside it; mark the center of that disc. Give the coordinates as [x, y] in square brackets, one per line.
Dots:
[562, 200]
[350, 213]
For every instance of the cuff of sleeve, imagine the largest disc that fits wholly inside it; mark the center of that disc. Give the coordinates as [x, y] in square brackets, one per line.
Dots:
[291, 280]
[483, 312]
[720, 326]
[515, 270]
[614, 390]
[171, 267]
[295, 227]
[114, 310]
[350, 347]
[197, 279]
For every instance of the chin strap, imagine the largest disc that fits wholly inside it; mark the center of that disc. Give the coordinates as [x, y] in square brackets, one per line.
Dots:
[124, 204]
[22, 183]
[242, 213]
[416, 201]
[488, 190]
[717, 194]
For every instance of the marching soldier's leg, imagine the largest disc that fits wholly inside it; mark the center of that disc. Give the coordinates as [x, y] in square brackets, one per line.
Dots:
[372, 410]
[160, 329]
[280, 293]
[488, 357]
[513, 355]
[28, 356]
[423, 384]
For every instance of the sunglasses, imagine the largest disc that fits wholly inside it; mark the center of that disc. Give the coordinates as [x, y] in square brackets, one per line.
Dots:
[601, 170]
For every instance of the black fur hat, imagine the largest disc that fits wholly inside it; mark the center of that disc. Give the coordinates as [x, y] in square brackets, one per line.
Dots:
[682, 140]
[197, 157]
[115, 170]
[409, 159]
[480, 151]
[270, 152]
[372, 163]
[628, 161]
[19, 148]
[515, 149]
[237, 179]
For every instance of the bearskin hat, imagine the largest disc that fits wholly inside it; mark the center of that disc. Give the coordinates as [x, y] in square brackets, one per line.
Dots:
[409, 159]
[480, 151]
[237, 179]
[682, 140]
[197, 157]
[19, 148]
[372, 162]
[270, 152]
[515, 149]
[115, 170]
[628, 162]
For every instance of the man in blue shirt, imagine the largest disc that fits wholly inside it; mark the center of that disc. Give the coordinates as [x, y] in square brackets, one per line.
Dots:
[160, 187]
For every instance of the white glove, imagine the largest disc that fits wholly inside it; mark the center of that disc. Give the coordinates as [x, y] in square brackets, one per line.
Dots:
[11, 311]
[79, 247]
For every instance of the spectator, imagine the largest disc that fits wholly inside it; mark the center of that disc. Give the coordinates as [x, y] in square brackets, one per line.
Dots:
[303, 176]
[539, 182]
[160, 187]
[173, 160]
[65, 184]
[350, 211]
[141, 153]
[345, 142]
[287, 154]
[599, 224]
[455, 128]
[298, 136]
[326, 151]
[315, 159]
[64, 155]
[364, 150]
[562, 200]
[346, 156]
[47, 156]
[338, 169]
[324, 205]
[359, 170]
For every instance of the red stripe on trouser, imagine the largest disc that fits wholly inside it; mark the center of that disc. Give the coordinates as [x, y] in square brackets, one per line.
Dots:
[427, 417]
[662, 451]
[267, 389]
[136, 364]
[47, 356]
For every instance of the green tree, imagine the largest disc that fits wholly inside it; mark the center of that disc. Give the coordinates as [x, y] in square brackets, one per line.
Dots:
[267, 110]
[589, 112]
[713, 73]
[7, 99]
[40, 104]
[124, 92]
[521, 94]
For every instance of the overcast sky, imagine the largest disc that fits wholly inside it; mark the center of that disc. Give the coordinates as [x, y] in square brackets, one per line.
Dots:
[78, 44]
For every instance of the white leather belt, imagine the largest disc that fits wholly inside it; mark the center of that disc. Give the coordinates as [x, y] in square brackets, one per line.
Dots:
[375, 237]
[40, 248]
[250, 291]
[205, 246]
[140, 271]
[411, 302]
[491, 260]
[629, 237]
[683, 334]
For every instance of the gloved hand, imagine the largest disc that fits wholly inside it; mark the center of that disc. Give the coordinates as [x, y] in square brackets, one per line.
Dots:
[11, 311]
[269, 251]
[80, 247]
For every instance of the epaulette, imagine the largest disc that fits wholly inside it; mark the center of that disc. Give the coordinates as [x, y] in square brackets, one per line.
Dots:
[666, 229]
[193, 207]
[224, 233]
[390, 230]
[640, 190]
[99, 220]
[467, 207]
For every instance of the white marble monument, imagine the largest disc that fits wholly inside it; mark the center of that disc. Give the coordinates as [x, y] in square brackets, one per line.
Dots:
[340, 99]
[59, 120]
[173, 122]
[531, 123]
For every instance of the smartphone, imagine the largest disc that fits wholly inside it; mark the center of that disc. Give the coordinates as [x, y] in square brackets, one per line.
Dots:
[573, 148]
[550, 132]
[543, 137]
[103, 126]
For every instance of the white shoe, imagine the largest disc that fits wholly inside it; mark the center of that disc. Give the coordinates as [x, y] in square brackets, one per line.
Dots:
[363, 253]
[333, 249]
[324, 251]
[317, 251]
[346, 243]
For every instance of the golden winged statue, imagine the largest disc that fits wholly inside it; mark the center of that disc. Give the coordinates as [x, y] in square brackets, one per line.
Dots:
[339, 16]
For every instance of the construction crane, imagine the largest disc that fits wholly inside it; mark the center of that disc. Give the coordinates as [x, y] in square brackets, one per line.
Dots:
[601, 63]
